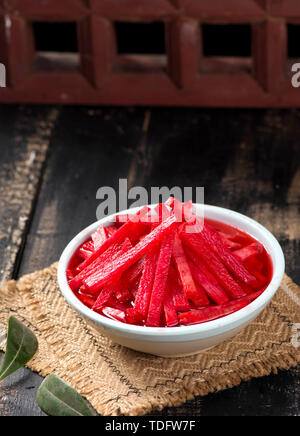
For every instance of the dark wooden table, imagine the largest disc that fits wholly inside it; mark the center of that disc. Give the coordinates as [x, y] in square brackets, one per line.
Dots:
[53, 160]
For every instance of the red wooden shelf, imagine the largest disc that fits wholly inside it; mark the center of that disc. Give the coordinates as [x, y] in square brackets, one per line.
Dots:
[98, 74]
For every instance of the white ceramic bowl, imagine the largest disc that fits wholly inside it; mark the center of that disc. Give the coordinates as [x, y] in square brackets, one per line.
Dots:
[187, 340]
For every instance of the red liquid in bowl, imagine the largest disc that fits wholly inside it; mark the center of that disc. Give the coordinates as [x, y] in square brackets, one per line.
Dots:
[194, 291]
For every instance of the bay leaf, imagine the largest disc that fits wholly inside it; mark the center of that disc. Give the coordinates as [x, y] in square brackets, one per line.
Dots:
[57, 398]
[21, 346]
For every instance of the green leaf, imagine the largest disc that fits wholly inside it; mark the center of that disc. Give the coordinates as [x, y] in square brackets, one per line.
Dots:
[57, 398]
[20, 348]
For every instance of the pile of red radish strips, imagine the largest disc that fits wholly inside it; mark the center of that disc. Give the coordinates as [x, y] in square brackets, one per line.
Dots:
[168, 268]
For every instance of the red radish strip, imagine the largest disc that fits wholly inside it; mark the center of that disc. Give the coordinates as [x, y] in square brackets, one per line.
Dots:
[215, 293]
[139, 217]
[173, 274]
[86, 250]
[103, 298]
[126, 246]
[83, 290]
[193, 223]
[123, 218]
[131, 316]
[214, 264]
[229, 236]
[133, 273]
[246, 288]
[160, 281]
[134, 288]
[85, 299]
[170, 311]
[254, 295]
[254, 265]
[183, 212]
[248, 252]
[180, 301]
[207, 280]
[234, 235]
[162, 213]
[88, 246]
[144, 293]
[111, 230]
[175, 203]
[122, 295]
[228, 242]
[259, 282]
[126, 231]
[115, 314]
[197, 296]
[84, 254]
[114, 303]
[111, 254]
[213, 312]
[212, 238]
[70, 274]
[188, 206]
[99, 237]
[108, 255]
[170, 202]
[118, 266]
[142, 230]
[203, 295]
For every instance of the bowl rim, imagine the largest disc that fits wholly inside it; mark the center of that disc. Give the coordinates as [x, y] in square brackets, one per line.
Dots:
[222, 324]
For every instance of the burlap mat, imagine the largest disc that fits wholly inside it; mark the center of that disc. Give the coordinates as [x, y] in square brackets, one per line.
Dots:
[120, 381]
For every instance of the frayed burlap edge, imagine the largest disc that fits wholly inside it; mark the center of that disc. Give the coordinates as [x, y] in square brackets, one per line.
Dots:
[107, 374]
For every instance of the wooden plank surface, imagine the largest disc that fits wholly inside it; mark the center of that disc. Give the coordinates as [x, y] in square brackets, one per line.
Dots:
[24, 144]
[247, 160]
[90, 149]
